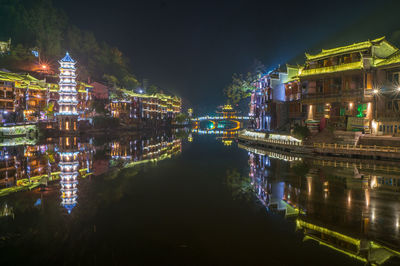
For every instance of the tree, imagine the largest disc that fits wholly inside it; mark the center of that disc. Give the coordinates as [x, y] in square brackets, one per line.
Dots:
[49, 109]
[181, 118]
[111, 80]
[99, 107]
[152, 89]
[240, 88]
[130, 82]
[242, 84]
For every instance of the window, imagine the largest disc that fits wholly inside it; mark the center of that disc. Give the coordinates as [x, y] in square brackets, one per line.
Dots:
[395, 129]
[320, 86]
[395, 78]
[380, 128]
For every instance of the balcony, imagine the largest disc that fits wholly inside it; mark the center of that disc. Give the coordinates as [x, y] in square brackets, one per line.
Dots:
[344, 95]
[331, 69]
[293, 97]
[299, 115]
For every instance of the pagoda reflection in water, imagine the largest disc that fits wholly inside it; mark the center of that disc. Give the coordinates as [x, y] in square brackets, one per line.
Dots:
[68, 152]
[68, 159]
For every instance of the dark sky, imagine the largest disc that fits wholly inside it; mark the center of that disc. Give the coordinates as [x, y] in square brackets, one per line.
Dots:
[193, 47]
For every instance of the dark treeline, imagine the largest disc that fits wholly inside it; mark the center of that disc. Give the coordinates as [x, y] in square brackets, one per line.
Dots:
[37, 24]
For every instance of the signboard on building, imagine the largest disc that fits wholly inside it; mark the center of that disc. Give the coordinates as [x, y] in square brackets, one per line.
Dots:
[357, 124]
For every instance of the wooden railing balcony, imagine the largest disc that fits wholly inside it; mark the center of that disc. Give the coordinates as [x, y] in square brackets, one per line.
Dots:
[297, 114]
[293, 97]
[343, 95]
[332, 69]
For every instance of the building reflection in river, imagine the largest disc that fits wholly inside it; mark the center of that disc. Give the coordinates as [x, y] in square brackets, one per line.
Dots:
[350, 206]
[69, 159]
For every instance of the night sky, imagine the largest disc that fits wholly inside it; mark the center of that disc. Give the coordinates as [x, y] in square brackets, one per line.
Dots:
[193, 47]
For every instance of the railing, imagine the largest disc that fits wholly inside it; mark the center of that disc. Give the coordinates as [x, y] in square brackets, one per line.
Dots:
[341, 94]
[272, 141]
[293, 97]
[330, 69]
[357, 148]
[361, 166]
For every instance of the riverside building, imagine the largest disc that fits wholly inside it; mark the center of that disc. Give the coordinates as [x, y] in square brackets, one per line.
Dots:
[353, 88]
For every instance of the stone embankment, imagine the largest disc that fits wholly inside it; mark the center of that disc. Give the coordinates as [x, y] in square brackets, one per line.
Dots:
[349, 148]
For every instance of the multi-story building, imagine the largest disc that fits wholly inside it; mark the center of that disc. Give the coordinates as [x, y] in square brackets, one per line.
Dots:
[100, 91]
[354, 87]
[268, 100]
[386, 94]
[128, 105]
[338, 84]
[25, 98]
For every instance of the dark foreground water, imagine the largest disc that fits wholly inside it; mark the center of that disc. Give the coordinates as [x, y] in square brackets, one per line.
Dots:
[144, 200]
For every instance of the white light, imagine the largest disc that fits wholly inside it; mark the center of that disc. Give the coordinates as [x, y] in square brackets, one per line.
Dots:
[375, 91]
[398, 89]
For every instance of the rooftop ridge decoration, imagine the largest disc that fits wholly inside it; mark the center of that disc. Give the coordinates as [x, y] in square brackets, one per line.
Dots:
[67, 58]
[393, 59]
[346, 49]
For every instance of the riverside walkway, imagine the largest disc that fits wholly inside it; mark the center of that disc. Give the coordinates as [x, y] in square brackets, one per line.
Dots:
[289, 143]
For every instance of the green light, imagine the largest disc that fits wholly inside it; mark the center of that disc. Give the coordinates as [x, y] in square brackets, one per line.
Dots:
[361, 108]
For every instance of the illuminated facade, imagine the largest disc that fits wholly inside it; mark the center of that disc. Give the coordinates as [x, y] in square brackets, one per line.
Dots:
[339, 85]
[67, 115]
[354, 88]
[272, 99]
[128, 105]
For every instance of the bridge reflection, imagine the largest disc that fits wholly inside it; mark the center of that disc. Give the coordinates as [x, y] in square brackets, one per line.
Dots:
[349, 206]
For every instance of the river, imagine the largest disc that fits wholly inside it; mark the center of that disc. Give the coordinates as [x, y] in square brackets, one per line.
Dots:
[179, 199]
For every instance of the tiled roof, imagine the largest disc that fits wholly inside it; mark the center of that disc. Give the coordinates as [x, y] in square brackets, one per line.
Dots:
[67, 58]
[345, 49]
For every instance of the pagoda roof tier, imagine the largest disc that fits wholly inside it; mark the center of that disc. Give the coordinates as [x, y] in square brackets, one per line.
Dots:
[356, 47]
[67, 58]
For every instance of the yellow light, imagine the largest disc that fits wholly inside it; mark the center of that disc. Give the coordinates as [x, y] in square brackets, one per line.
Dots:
[44, 66]
[351, 105]
[374, 125]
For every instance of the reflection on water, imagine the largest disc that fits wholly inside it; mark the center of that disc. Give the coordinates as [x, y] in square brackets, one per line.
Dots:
[68, 159]
[80, 195]
[226, 136]
[350, 206]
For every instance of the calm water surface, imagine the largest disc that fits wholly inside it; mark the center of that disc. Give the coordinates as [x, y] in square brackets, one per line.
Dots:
[140, 200]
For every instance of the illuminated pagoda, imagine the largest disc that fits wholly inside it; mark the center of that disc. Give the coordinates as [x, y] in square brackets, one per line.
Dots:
[67, 115]
[69, 164]
[228, 112]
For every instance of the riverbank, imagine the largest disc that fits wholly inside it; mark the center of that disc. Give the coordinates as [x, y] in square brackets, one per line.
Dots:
[287, 143]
